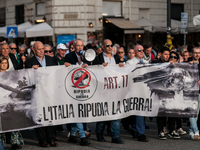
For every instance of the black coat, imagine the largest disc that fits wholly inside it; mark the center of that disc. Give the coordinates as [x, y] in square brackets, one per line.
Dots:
[50, 61]
[158, 61]
[72, 59]
[99, 60]
[15, 63]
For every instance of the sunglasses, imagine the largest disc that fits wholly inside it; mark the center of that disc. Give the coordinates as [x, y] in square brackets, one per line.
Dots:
[140, 50]
[13, 48]
[120, 52]
[109, 45]
[175, 57]
[47, 51]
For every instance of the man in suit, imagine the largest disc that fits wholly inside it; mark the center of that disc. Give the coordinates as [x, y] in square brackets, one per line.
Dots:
[45, 135]
[74, 58]
[107, 58]
[138, 127]
[13, 64]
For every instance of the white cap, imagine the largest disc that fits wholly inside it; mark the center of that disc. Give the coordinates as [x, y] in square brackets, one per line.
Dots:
[61, 46]
[32, 43]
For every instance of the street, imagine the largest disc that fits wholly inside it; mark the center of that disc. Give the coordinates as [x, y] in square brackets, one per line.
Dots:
[130, 143]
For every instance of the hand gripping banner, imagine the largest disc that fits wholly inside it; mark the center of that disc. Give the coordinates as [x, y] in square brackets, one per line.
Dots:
[58, 95]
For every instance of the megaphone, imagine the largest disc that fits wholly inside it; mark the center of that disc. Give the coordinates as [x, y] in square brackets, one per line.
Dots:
[89, 54]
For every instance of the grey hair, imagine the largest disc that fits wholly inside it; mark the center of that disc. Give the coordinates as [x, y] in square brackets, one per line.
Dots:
[77, 39]
[22, 46]
[12, 44]
[2, 45]
[47, 45]
[183, 48]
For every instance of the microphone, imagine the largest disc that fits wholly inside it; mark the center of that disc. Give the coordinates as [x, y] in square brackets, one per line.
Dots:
[89, 54]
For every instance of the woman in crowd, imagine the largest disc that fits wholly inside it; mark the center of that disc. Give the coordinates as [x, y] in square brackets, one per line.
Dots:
[23, 57]
[71, 48]
[14, 137]
[121, 54]
[98, 50]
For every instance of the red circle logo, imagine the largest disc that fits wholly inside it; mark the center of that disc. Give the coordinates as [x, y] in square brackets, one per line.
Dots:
[81, 78]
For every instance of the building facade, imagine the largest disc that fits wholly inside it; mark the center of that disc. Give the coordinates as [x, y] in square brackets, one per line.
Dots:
[84, 17]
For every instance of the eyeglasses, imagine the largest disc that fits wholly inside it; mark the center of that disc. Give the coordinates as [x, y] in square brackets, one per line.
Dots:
[13, 48]
[120, 52]
[109, 45]
[175, 57]
[47, 51]
[140, 50]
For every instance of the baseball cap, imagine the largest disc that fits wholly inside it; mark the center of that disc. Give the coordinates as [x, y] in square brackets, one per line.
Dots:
[61, 46]
[32, 43]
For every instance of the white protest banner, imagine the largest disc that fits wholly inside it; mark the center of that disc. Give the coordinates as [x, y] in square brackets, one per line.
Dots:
[59, 95]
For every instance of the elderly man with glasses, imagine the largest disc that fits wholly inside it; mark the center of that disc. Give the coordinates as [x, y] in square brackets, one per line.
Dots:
[13, 50]
[139, 54]
[138, 127]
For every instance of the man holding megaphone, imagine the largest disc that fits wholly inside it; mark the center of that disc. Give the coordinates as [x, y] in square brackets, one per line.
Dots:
[76, 58]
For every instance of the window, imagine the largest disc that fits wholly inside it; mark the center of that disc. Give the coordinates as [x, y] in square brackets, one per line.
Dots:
[19, 14]
[176, 10]
[40, 9]
[2, 17]
[144, 13]
[112, 8]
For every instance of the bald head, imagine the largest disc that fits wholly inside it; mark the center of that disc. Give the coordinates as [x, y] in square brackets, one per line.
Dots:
[139, 51]
[36, 44]
[39, 49]
[108, 46]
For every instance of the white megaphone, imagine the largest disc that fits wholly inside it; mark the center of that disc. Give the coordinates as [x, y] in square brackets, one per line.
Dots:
[89, 54]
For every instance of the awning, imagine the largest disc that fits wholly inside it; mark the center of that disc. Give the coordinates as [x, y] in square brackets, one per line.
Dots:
[128, 26]
[38, 30]
[22, 27]
[148, 24]
[196, 20]
[3, 30]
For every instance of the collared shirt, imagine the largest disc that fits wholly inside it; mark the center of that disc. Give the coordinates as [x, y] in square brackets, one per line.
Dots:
[139, 60]
[134, 61]
[60, 61]
[42, 62]
[78, 59]
[109, 61]
[11, 67]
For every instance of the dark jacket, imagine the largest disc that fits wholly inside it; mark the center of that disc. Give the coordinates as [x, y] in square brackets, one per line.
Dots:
[99, 60]
[50, 61]
[158, 61]
[72, 59]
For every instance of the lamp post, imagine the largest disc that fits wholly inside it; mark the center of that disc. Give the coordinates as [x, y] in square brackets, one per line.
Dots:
[169, 38]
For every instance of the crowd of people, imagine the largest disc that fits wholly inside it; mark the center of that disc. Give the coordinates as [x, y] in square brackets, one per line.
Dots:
[13, 57]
